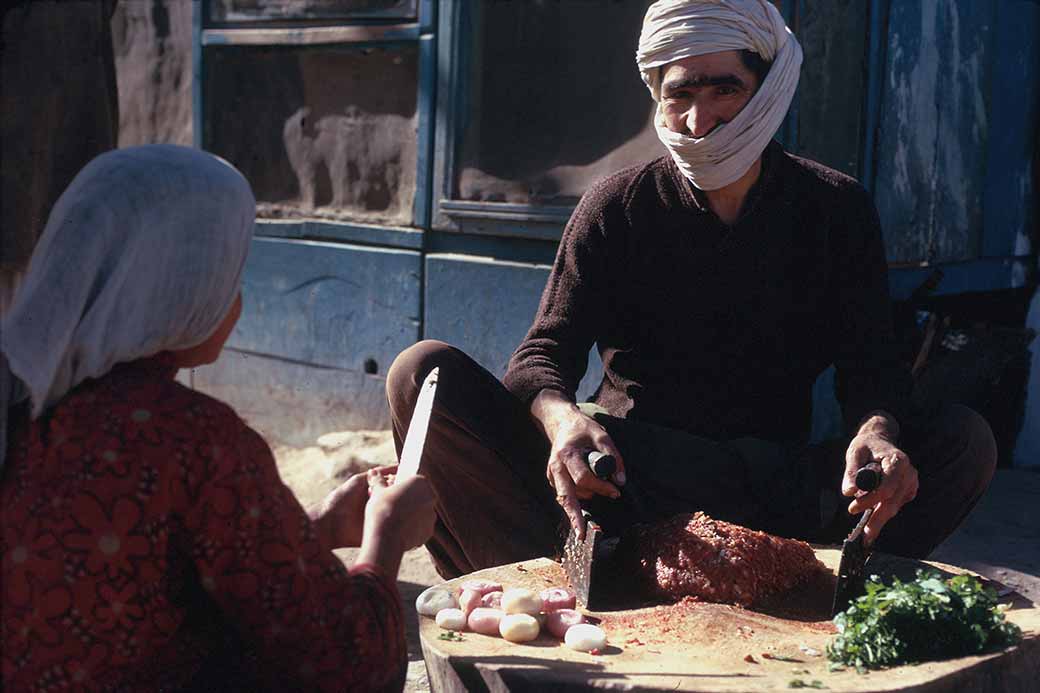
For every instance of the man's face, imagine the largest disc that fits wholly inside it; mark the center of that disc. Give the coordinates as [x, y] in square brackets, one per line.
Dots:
[700, 93]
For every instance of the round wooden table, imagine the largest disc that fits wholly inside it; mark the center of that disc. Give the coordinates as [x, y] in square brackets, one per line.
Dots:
[696, 646]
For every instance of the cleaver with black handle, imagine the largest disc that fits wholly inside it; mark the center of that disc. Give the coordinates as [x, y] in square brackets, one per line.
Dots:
[854, 553]
[588, 562]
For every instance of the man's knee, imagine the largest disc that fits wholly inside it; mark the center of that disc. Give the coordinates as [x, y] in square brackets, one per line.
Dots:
[966, 439]
[410, 367]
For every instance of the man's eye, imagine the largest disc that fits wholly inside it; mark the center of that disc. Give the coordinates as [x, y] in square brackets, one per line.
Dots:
[726, 91]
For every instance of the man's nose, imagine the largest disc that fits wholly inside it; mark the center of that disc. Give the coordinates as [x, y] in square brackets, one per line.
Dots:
[700, 120]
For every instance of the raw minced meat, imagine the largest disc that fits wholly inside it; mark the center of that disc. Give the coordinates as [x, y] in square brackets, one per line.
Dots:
[697, 556]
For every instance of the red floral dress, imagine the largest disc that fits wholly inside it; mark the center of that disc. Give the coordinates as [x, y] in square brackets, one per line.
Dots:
[149, 544]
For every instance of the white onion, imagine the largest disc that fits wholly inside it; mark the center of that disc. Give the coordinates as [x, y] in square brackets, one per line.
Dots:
[585, 637]
[451, 619]
[433, 600]
[518, 627]
[521, 601]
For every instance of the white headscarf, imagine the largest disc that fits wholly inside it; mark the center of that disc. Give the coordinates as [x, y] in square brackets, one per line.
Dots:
[142, 253]
[677, 29]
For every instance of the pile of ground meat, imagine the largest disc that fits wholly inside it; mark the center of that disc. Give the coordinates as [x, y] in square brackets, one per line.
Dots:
[696, 556]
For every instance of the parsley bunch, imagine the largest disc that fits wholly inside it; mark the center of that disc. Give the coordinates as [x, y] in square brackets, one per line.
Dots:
[925, 619]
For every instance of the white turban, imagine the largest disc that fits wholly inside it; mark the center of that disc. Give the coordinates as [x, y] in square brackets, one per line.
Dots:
[142, 253]
[677, 29]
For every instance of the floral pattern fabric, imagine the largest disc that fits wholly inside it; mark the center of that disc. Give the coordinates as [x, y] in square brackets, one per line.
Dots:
[148, 542]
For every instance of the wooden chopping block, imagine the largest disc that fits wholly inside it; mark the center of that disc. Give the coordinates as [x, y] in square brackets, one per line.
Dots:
[696, 646]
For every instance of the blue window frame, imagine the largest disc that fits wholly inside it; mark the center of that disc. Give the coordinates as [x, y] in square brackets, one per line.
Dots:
[338, 144]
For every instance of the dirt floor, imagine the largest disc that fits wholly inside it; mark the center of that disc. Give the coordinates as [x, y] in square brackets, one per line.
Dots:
[1000, 539]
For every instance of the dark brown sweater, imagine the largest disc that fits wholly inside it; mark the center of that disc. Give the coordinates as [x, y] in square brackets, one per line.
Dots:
[717, 330]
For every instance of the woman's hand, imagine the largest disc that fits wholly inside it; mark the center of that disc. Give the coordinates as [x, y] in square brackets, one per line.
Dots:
[398, 517]
[340, 517]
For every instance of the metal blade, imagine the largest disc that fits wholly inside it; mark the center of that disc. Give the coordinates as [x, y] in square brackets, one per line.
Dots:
[411, 451]
[854, 556]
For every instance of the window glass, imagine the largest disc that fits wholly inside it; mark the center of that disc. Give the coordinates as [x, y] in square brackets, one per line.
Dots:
[319, 132]
[554, 100]
[259, 10]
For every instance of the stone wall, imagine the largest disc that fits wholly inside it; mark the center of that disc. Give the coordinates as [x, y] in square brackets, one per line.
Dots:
[151, 40]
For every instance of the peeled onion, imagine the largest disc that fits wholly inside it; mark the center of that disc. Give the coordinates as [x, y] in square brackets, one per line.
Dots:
[518, 627]
[521, 601]
[559, 621]
[433, 600]
[451, 619]
[484, 620]
[557, 598]
[492, 600]
[585, 637]
[481, 587]
[468, 601]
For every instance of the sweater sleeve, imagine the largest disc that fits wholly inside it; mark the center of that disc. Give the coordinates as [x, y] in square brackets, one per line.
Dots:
[554, 353]
[869, 373]
[314, 625]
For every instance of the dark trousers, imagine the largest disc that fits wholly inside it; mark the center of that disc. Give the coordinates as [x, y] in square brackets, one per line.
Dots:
[486, 456]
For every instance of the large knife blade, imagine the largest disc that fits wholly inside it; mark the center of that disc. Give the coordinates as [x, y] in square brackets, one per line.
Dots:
[854, 553]
[415, 439]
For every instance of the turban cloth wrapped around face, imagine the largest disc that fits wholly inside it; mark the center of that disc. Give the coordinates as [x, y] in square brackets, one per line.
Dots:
[677, 29]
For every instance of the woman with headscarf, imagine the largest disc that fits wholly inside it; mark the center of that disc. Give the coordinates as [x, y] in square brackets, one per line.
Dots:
[148, 542]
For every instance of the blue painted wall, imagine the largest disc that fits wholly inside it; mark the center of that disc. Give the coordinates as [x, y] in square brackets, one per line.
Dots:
[321, 324]
[485, 306]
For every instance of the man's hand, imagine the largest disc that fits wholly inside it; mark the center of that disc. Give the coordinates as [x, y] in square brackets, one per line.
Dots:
[340, 517]
[875, 443]
[573, 435]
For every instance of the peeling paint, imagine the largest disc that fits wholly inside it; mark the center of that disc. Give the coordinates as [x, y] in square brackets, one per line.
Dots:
[934, 129]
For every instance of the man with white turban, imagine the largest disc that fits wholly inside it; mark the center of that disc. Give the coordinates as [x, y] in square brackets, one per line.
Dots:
[717, 283]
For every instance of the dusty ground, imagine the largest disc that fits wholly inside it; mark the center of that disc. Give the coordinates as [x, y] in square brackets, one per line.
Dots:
[1000, 539]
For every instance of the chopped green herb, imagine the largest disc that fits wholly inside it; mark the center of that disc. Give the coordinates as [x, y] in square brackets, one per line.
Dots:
[926, 619]
[799, 683]
[450, 635]
[835, 666]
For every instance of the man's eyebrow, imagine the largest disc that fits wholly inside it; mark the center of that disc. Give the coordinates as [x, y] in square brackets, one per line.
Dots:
[698, 81]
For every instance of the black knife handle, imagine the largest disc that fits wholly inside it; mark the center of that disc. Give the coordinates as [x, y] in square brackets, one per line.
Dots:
[601, 464]
[868, 477]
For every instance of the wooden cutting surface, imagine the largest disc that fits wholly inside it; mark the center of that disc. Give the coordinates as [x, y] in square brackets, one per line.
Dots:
[713, 647]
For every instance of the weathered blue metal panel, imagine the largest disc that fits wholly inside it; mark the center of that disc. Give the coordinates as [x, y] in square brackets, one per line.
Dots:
[291, 403]
[933, 129]
[318, 230]
[321, 324]
[328, 304]
[1014, 92]
[423, 203]
[485, 307]
[986, 274]
[427, 16]
[876, 42]
[829, 117]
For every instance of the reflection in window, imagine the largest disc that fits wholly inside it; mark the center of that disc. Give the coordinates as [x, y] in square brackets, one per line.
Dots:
[556, 100]
[257, 10]
[321, 132]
